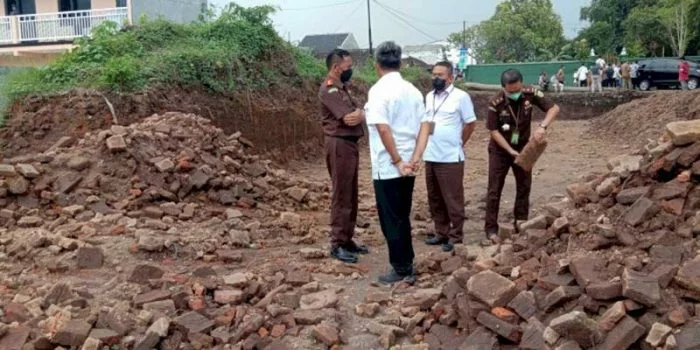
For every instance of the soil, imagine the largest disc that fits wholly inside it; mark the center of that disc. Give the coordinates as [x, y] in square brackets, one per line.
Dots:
[636, 122]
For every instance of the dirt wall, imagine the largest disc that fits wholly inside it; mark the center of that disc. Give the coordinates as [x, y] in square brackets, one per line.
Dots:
[281, 120]
[574, 106]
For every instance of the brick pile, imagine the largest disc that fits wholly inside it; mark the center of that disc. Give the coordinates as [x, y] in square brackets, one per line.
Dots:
[616, 265]
[175, 165]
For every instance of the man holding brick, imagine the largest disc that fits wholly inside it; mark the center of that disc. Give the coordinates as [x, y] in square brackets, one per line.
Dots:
[509, 118]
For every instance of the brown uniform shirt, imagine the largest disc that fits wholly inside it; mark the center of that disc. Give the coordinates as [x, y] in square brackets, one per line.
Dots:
[503, 110]
[336, 102]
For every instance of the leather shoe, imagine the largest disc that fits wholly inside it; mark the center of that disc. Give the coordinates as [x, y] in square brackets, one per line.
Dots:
[343, 255]
[436, 240]
[355, 248]
[392, 277]
[448, 247]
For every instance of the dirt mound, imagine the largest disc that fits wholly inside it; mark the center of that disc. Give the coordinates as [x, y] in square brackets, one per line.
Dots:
[173, 158]
[636, 122]
[273, 119]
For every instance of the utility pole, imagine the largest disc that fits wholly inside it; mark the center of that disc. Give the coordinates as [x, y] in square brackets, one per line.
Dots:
[369, 28]
[464, 34]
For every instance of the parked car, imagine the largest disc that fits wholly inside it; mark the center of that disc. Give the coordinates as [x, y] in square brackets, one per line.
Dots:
[663, 72]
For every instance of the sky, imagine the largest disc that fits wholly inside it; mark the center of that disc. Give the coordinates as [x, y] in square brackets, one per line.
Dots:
[423, 21]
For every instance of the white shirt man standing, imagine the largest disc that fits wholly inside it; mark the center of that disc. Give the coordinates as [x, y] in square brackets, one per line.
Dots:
[447, 125]
[581, 75]
[393, 114]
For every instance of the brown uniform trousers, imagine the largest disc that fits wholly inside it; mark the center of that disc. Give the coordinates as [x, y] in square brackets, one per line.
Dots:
[503, 111]
[342, 160]
[342, 157]
[499, 165]
[446, 198]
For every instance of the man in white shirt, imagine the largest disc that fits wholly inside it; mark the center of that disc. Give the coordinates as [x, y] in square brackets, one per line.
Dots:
[634, 74]
[600, 62]
[393, 114]
[581, 75]
[446, 127]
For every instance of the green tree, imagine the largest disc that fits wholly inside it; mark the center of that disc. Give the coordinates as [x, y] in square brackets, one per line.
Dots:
[519, 31]
[607, 18]
[676, 18]
[644, 31]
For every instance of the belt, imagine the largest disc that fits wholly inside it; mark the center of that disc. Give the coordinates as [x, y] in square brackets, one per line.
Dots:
[353, 139]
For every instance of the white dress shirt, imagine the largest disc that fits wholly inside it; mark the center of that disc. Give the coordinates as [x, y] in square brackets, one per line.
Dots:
[397, 103]
[450, 109]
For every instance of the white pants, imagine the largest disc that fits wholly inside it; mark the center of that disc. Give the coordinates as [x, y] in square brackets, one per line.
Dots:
[597, 84]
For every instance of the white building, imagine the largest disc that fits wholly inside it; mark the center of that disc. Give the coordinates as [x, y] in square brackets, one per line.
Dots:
[434, 52]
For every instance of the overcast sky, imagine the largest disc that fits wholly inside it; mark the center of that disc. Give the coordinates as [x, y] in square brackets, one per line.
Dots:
[429, 20]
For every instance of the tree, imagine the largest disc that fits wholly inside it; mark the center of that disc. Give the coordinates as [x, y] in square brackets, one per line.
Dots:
[472, 38]
[675, 16]
[609, 15]
[519, 31]
[644, 30]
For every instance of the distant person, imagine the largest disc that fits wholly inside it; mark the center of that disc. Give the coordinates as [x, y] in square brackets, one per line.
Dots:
[582, 75]
[561, 76]
[556, 84]
[617, 75]
[342, 125]
[609, 74]
[509, 123]
[600, 62]
[634, 74]
[626, 74]
[596, 78]
[447, 126]
[683, 73]
[543, 82]
[394, 111]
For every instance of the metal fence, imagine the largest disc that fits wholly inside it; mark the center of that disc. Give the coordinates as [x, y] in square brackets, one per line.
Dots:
[56, 26]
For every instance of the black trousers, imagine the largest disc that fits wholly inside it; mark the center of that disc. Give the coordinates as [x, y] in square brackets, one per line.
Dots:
[394, 199]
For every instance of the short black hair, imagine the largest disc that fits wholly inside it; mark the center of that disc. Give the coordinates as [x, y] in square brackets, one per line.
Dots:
[511, 76]
[335, 56]
[388, 55]
[447, 65]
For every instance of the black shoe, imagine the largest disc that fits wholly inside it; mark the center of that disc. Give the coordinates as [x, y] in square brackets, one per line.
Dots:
[448, 247]
[355, 248]
[436, 240]
[392, 277]
[343, 255]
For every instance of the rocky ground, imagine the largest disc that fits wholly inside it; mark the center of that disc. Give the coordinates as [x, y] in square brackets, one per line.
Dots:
[167, 234]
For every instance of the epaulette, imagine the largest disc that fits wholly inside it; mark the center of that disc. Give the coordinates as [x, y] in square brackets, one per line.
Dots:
[529, 90]
[495, 102]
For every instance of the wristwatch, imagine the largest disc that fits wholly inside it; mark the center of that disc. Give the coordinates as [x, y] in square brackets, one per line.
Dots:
[543, 126]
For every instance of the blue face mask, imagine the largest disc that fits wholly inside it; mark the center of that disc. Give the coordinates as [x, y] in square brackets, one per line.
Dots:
[514, 96]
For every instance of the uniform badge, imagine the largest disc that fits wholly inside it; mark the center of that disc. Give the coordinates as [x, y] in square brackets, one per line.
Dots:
[504, 113]
[506, 127]
[539, 93]
[527, 103]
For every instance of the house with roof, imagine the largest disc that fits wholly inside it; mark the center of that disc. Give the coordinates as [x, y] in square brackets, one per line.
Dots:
[321, 44]
[46, 26]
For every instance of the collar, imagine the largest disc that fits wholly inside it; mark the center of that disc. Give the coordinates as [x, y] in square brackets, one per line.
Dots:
[331, 81]
[448, 90]
[391, 76]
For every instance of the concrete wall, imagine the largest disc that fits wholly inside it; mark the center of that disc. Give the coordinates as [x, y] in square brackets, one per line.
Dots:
[46, 6]
[182, 11]
[103, 4]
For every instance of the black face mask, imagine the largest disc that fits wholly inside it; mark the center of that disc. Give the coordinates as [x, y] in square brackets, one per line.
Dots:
[439, 84]
[346, 75]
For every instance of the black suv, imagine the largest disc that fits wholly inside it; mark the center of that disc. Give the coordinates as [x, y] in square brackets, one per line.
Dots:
[663, 72]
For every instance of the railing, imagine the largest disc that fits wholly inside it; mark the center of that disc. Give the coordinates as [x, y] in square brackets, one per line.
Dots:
[58, 26]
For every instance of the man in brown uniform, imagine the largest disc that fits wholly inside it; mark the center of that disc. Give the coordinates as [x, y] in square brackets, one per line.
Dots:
[342, 124]
[510, 115]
